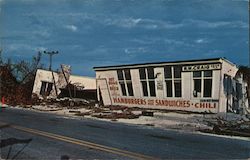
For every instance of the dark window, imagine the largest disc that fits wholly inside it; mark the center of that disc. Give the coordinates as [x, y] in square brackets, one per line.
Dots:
[208, 73]
[50, 85]
[144, 88]
[177, 72]
[130, 89]
[152, 88]
[123, 88]
[43, 88]
[167, 72]
[126, 84]
[177, 88]
[207, 87]
[173, 80]
[169, 88]
[46, 88]
[127, 74]
[142, 73]
[197, 74]
[150, 73]
[197, 87]
[120, 75]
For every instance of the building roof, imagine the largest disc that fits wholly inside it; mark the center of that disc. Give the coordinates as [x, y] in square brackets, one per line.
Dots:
[156, 64]
[87, 82]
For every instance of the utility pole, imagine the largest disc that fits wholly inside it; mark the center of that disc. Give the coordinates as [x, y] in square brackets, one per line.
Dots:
[50, 66]
[50, 57]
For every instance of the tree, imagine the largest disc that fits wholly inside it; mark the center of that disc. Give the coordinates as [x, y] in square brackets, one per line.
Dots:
[17, 78]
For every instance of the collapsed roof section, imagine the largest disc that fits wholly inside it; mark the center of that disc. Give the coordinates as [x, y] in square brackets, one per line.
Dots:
[62, 84]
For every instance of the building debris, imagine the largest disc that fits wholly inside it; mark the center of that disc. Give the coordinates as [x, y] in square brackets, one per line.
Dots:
[148, 113]
[228, 124]
[65, 85]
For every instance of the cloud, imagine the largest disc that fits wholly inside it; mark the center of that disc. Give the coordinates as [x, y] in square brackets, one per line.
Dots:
[15, 47]
[140, 23]
[134, 22]
[126, 22]
[216, 24]
[201, 41]
[41, 48]
[73, 28]
[41, 33]
[130, 51]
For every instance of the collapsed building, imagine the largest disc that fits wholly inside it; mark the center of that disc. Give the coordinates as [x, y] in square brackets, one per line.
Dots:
[206, 85]
[50, 84]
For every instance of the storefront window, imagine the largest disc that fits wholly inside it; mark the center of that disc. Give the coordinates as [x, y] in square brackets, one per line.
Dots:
[124, 78]
[208, 83]
[197, 83]
[122, 84]
[147, 81]
[177, 88]
[173, 81]
[202, 81]
[144, 88]
[169, 88]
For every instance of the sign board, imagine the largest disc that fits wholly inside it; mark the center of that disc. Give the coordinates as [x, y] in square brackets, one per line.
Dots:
[179, 104]
[201, 67]
[159, 85]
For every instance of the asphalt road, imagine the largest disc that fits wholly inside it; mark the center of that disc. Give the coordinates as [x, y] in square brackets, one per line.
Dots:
[36, 135]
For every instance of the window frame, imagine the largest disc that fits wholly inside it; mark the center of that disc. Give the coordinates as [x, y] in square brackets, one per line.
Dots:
[44, 90]
[125, 82]
[173, 79]
[202, 78]
[145, 78]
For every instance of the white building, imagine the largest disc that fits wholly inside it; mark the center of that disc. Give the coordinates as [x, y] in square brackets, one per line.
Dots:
[44, 84]
[208, 85]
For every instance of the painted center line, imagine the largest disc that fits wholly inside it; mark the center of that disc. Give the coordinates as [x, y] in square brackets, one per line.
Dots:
[82, 143]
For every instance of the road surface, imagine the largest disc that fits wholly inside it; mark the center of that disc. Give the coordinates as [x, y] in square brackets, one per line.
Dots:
[36, 135]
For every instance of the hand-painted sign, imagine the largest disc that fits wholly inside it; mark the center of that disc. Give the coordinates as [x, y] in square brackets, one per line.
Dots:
[166, 103]
[113, 86]
[201, 67]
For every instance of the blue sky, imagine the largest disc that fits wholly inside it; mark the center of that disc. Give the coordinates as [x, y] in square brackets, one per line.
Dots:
[90, 33]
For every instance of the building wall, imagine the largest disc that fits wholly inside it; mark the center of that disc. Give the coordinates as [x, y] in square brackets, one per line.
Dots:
[46, 76]
[108, 85]
[226, 100]
[87, 83]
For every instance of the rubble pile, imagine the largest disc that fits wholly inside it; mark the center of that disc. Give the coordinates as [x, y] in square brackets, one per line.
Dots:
[229, 124]
[116, 115]
[110, 112]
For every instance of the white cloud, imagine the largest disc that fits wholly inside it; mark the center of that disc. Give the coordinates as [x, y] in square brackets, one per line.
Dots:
[216, 24]
[130, 51]
[42, 33]
[14, 47]
[141, 23]
[41, 48]
[126, 22]
[73, 28]
[201, 40]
